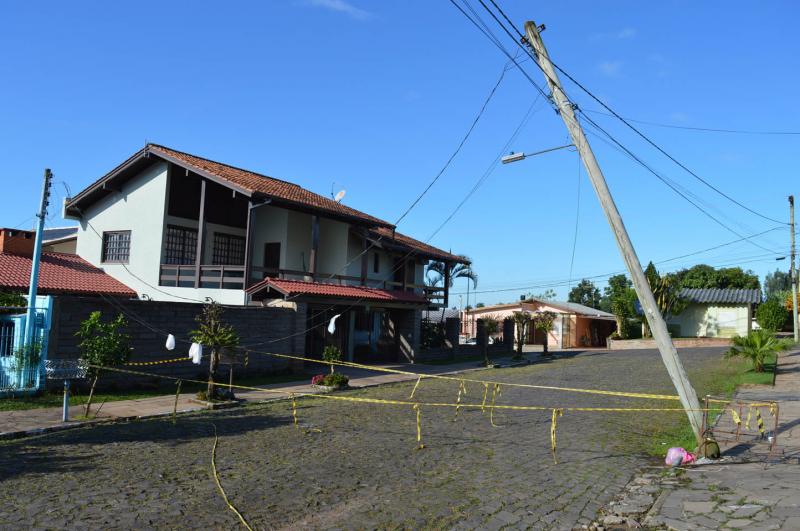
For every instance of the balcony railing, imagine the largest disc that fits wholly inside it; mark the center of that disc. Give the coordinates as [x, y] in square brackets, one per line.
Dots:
[233, 277]
[211, 276]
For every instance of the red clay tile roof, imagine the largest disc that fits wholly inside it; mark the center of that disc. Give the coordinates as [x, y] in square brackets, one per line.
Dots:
[407, 243]
[318, 289]
[258, 183]
[60, 274]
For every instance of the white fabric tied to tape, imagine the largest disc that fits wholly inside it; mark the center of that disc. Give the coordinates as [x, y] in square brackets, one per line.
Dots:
[332, 324]
[196, 353]
[170, 342]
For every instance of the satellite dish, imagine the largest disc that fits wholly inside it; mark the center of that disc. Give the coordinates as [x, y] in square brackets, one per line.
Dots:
[339, 196]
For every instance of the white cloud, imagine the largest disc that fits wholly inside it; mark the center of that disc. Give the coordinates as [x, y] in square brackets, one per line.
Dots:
[610, 68]
[341, 6]
[626, 33]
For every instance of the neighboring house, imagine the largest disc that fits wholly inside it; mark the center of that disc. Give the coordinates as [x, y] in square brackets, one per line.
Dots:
[575, 326]
[715, 313]
[59, 275]
[181, 228]
[60, 240]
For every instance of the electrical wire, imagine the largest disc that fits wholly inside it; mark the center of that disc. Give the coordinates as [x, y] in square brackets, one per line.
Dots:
[699, 129]
[647, 139]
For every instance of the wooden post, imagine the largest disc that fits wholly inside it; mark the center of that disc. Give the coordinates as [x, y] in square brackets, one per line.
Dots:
[446, 301]
[312, 259]
[201, 233]
[248, 246]
[658, 326]
[364, 261]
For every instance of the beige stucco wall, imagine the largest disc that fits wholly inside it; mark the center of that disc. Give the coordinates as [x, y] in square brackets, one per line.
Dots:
[68, 247]
[713, 320]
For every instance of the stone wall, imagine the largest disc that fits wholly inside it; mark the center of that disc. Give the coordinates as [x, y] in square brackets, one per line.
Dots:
[261, 328]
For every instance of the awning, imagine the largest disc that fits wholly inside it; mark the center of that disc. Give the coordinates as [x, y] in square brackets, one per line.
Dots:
[273, 288]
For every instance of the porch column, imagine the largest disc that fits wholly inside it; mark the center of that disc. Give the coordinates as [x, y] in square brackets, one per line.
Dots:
[446, 301]
[364, 261]
[201, 234]
[248, 247]
[312, 259]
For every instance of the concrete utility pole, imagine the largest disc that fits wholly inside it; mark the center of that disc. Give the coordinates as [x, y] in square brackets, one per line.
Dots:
[669, 355]
[30, 320]
[793, 272]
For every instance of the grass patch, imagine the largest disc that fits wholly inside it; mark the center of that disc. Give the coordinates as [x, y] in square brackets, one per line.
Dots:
[54, 398]
[718, 378]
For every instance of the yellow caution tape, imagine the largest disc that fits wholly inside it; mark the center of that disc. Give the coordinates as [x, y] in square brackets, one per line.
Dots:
[735, 416]
[495, 395]
[219, 485]
[485, 392]
[415, 388]
[294, 410]
[157, 362]
[747, 422]
[760, 422]
[553, 422]
[420, 446]
[462, 390]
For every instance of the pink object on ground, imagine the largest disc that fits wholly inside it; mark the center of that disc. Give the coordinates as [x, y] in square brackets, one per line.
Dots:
[679, 456]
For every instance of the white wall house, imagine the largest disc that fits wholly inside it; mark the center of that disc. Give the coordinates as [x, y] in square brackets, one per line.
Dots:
[715, 313]
[182, 228]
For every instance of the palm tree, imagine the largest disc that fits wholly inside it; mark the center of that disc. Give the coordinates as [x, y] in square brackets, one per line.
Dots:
[436, 272]
[756, 346]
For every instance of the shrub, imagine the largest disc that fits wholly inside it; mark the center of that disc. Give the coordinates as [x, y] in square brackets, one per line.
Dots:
[335, 379]
[772, 315]
[102, 344]
[332, 355]
[756, 346]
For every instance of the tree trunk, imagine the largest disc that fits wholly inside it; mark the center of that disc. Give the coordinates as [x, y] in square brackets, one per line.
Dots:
[545, 352]
[91, 393]
[212, 372]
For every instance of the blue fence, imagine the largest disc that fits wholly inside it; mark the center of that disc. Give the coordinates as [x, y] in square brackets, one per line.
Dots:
[19, 373]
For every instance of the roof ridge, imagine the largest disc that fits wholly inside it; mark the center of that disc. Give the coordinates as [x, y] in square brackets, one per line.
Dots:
[239, 168]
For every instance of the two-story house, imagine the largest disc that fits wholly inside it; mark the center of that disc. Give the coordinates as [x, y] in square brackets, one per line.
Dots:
[178, 227]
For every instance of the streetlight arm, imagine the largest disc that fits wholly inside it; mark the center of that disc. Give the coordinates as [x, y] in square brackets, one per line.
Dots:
[514, 157]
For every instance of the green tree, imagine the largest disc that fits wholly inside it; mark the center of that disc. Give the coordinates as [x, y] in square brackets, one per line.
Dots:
[666, 291]
[522, 320]
[619, 298]
[772, 315]
[216, 335]
[706, 276]
[543, 322]
[103, 344]
[11, 300]
[436, 272]
[756, 346]
[777, 282]
[585, 293]
[548, 295]
[480, 305]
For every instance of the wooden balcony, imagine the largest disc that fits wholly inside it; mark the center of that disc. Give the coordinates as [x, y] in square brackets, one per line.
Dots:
[233, 277]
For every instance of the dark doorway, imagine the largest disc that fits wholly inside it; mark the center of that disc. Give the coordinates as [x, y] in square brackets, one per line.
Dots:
[272, 259]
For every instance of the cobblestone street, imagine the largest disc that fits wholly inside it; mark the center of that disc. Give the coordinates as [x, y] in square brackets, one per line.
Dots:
[353, 465]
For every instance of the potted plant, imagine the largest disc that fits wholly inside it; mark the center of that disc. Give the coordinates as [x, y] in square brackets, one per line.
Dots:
[333, 380]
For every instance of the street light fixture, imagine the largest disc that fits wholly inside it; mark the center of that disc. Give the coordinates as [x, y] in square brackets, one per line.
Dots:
[514, 157]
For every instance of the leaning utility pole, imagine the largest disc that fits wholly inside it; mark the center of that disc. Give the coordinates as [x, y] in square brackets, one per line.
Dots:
[793, 271]
[30, 320]
[669, 355]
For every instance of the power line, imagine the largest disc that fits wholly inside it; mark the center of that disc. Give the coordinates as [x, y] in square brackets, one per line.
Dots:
[700, 129]
[663, 261]
[458, 148]
[523, 38]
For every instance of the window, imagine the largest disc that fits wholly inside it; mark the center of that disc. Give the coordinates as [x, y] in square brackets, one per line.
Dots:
[6, 338]
[228, 249]
[117, 246]
[376, 263]
[180, 247]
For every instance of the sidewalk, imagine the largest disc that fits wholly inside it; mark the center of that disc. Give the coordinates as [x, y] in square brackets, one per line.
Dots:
[751, 490]
[32, 421]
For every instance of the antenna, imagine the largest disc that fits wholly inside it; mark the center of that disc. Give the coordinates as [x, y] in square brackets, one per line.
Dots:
[339, 196]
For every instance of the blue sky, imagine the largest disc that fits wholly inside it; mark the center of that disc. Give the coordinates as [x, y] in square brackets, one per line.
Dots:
[374, 96]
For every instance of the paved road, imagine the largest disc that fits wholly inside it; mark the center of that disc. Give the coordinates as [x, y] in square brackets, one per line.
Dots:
[352, 465]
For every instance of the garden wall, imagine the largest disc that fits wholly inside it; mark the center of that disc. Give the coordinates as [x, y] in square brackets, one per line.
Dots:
[253, 324]
[692, 342]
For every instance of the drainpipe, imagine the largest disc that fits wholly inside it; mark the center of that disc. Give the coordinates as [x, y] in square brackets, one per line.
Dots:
[37, 258]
